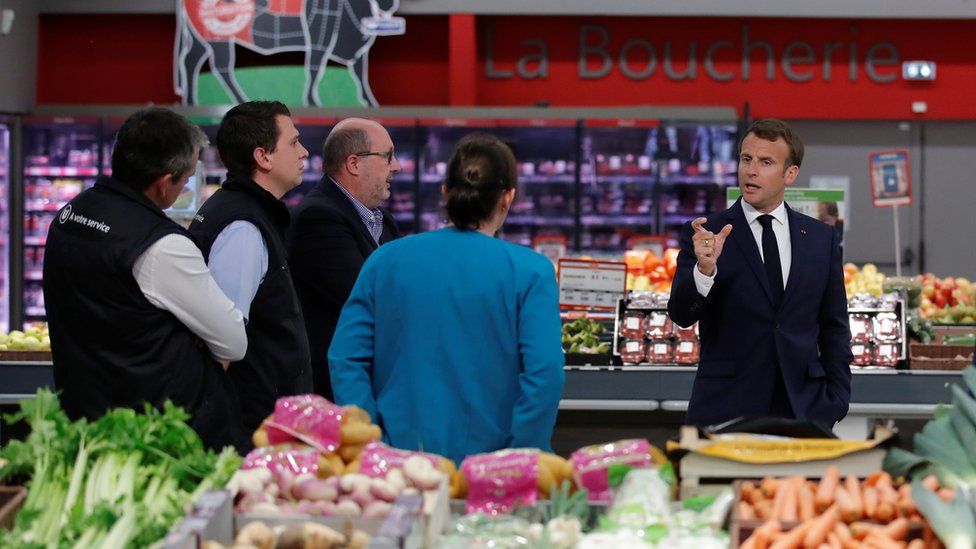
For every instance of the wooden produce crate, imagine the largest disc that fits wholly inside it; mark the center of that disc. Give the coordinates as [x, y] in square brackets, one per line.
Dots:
[935, 356]
[25, 356]
[11, 499]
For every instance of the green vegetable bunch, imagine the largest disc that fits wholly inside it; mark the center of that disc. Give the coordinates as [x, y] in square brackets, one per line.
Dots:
[583, 336]
[946, 447]
[121, 481]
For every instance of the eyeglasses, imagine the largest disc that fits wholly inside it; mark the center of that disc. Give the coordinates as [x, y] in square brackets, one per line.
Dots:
[388, 154]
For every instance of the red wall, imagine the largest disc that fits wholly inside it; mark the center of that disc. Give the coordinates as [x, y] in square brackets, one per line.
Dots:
[128, 59]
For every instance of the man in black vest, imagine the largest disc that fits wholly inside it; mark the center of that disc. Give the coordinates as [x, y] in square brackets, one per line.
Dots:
[134, 314]
[241, 232]
[337, 225]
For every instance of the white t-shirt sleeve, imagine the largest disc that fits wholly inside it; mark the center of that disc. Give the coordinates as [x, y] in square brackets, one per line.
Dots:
[173, 276]
[703, 283]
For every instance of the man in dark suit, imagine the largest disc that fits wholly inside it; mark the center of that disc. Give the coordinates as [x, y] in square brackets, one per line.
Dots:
[335, 228]
[766, 285]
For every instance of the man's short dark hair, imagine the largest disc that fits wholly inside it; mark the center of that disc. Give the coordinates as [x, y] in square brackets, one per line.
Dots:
[154, 142]
[772, 129]
[339, 145]
[246, 127]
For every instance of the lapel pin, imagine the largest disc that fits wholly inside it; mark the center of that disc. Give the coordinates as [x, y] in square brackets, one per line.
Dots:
[803, 231]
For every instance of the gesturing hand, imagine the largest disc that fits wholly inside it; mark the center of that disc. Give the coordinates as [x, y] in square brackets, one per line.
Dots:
[708, 245]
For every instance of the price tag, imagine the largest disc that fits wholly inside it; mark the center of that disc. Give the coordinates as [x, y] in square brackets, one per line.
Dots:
[553, 247]
[592, 284]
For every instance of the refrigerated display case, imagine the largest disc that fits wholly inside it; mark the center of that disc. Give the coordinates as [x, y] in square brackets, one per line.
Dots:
[696, 164]
[617, 182]
[546, 151]
[439, 135]
[61, 158]
[4, 226]
[648, 177]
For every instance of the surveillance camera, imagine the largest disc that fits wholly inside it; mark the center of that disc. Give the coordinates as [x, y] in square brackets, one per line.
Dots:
[6, 21]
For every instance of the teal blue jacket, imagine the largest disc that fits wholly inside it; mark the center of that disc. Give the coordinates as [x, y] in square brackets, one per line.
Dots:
[451, 341]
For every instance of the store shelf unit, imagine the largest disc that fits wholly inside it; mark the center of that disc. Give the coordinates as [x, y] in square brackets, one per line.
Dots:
[62, 156]
[4, 225]
[566, 189]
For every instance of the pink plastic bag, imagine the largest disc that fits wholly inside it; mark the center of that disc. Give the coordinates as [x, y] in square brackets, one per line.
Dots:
[498, 480]
[590, 464]
[309, 418]
[377, 459]
[284, 460]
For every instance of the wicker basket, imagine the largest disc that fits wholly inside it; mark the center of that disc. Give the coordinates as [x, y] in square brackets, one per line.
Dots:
[939, 357]
[25, 356]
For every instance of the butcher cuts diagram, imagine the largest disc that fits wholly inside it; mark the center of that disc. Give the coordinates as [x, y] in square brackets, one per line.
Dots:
[340, 31]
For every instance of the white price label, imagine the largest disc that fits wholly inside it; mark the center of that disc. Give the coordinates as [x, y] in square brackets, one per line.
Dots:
[633, 323]
[593, 284]
[686, 347]
[633, 346]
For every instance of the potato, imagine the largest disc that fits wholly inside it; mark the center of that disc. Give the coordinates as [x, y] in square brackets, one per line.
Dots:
[547, 481]
[459, 484]
[330, 465]
[355, 414]
[350, 452]
[353, 466]
[357, 433]
[260, 437]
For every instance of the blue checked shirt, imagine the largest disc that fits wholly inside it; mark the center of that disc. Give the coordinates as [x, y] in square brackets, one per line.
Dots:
[373, 219]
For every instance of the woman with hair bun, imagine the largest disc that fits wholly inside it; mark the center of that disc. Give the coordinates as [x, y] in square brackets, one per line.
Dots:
[451, 338]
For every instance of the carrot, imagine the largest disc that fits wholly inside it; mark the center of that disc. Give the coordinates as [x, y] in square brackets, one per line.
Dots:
[747, 492]
[746, 511]
[779, 501]
[872, 479]
[848, 511]
[768, 486]
[916, 544]
[947, 494]
[896, 529]
[806, 509]
[749, 543]
[765, 533]
[870, 497]
[843, 532]
[886, 512]
[764, 509]
[825, 490]
[833, 541]
[931, 482]
[876, 539]
[821, 526]
[788, 511]
[860, 530]
[853, 487]
[823, 546]
[906, 503]
[794, 538]
[885, 490]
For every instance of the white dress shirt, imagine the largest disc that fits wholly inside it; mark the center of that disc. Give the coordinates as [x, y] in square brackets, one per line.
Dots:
[781, 228]
[173, 276]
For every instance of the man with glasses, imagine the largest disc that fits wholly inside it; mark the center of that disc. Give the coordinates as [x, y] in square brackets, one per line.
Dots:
[335, 228]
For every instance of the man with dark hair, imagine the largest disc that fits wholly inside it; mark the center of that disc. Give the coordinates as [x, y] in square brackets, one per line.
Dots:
[134, 314]
[771, 308]
[241, 231]
[337, 225]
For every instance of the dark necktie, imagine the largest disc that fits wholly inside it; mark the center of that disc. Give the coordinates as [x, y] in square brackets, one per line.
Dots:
[774, 270]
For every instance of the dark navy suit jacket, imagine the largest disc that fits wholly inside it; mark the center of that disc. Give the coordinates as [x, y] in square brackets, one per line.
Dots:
[744, 338]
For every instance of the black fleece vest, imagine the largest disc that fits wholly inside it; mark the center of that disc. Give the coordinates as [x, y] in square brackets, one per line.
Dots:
[111, 346]
[277, 360]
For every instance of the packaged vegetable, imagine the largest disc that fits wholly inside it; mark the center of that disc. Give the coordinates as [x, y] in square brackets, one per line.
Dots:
[309, 418]
[592, 465]
[632, 325]
[499, 480]
[657, 325]
[660, 352]
[633, 351]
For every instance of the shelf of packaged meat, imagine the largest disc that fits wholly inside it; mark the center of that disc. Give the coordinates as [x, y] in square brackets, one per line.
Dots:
[60, 171]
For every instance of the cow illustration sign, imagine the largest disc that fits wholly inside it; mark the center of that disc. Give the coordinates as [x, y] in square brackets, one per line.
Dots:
[341, 31]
